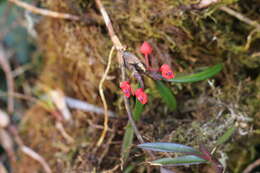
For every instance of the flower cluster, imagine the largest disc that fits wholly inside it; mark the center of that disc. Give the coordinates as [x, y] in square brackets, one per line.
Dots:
[165, 69]
[139, 93]
[166, 72]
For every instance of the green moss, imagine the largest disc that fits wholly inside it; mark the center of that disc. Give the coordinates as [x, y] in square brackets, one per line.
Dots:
[76, 56]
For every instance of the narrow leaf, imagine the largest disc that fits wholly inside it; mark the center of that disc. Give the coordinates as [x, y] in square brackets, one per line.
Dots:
[129, 132]
[166, 95]
[129, 169]
[178, 161]
[226, 135]
[127, 142]
[168, 147]
[205, 74]
[138, 110]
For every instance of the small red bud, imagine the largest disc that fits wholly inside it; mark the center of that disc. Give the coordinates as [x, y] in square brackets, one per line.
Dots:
[167, 72]
[146, 48]
[126, 88]
[141, 95]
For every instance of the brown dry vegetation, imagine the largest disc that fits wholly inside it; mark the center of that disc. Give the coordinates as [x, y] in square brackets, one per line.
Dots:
[75, 56]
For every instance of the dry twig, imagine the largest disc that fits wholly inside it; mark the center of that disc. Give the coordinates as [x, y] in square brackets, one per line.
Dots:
[28, 151]
[84, 106]
[44, 12]
[9, 78]
[58, 99]
[241, 17]
[65, 135]
[252, 166]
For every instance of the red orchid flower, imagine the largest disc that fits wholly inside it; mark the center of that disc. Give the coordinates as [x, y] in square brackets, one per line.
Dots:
[126, 88]
[141, 95]
[167, 72]
[146, 49]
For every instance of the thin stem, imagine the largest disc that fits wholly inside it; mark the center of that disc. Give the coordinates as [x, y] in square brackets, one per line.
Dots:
[4, 63]
[147, 61]
[130, 117]
[101, 92]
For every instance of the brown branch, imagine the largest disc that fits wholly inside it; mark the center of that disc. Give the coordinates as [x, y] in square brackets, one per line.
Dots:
[252, 166]
[240, 17]
[28, 151]
[109, 26]
[9, 78]
[44, 12]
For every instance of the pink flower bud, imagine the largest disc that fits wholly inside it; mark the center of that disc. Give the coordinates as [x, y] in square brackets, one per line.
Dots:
[146, 48]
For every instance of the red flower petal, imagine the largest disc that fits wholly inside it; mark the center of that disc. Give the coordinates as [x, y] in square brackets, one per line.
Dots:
[146, 48]
[167, 72]
[126, 88]
[141, 95]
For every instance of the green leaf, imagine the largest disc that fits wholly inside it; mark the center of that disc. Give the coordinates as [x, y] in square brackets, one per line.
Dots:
[226, 135]
[166, 95]
[129, 132]
[177, 161]
[129, 168]
[138, 110]
[168, 147]
[127, 142]
[205, 74]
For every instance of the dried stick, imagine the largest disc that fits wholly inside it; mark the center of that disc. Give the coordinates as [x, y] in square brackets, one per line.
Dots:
[9, 78]
[44, 12]
[71, 102]
[28, 151]
[84, 106]
[64, 134]
[101, 92]
[109, 26]
[252, 166]
[241, 17]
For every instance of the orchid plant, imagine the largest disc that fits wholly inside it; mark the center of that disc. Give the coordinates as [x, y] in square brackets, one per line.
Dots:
[166, 74]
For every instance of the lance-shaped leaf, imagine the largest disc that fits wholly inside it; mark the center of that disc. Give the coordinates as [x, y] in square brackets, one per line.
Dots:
[168, 147]
[205, 74]
[226, 135]
[178, 161]
[166, 95]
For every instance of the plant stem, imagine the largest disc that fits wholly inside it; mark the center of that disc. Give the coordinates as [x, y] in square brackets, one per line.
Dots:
[147, 61]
